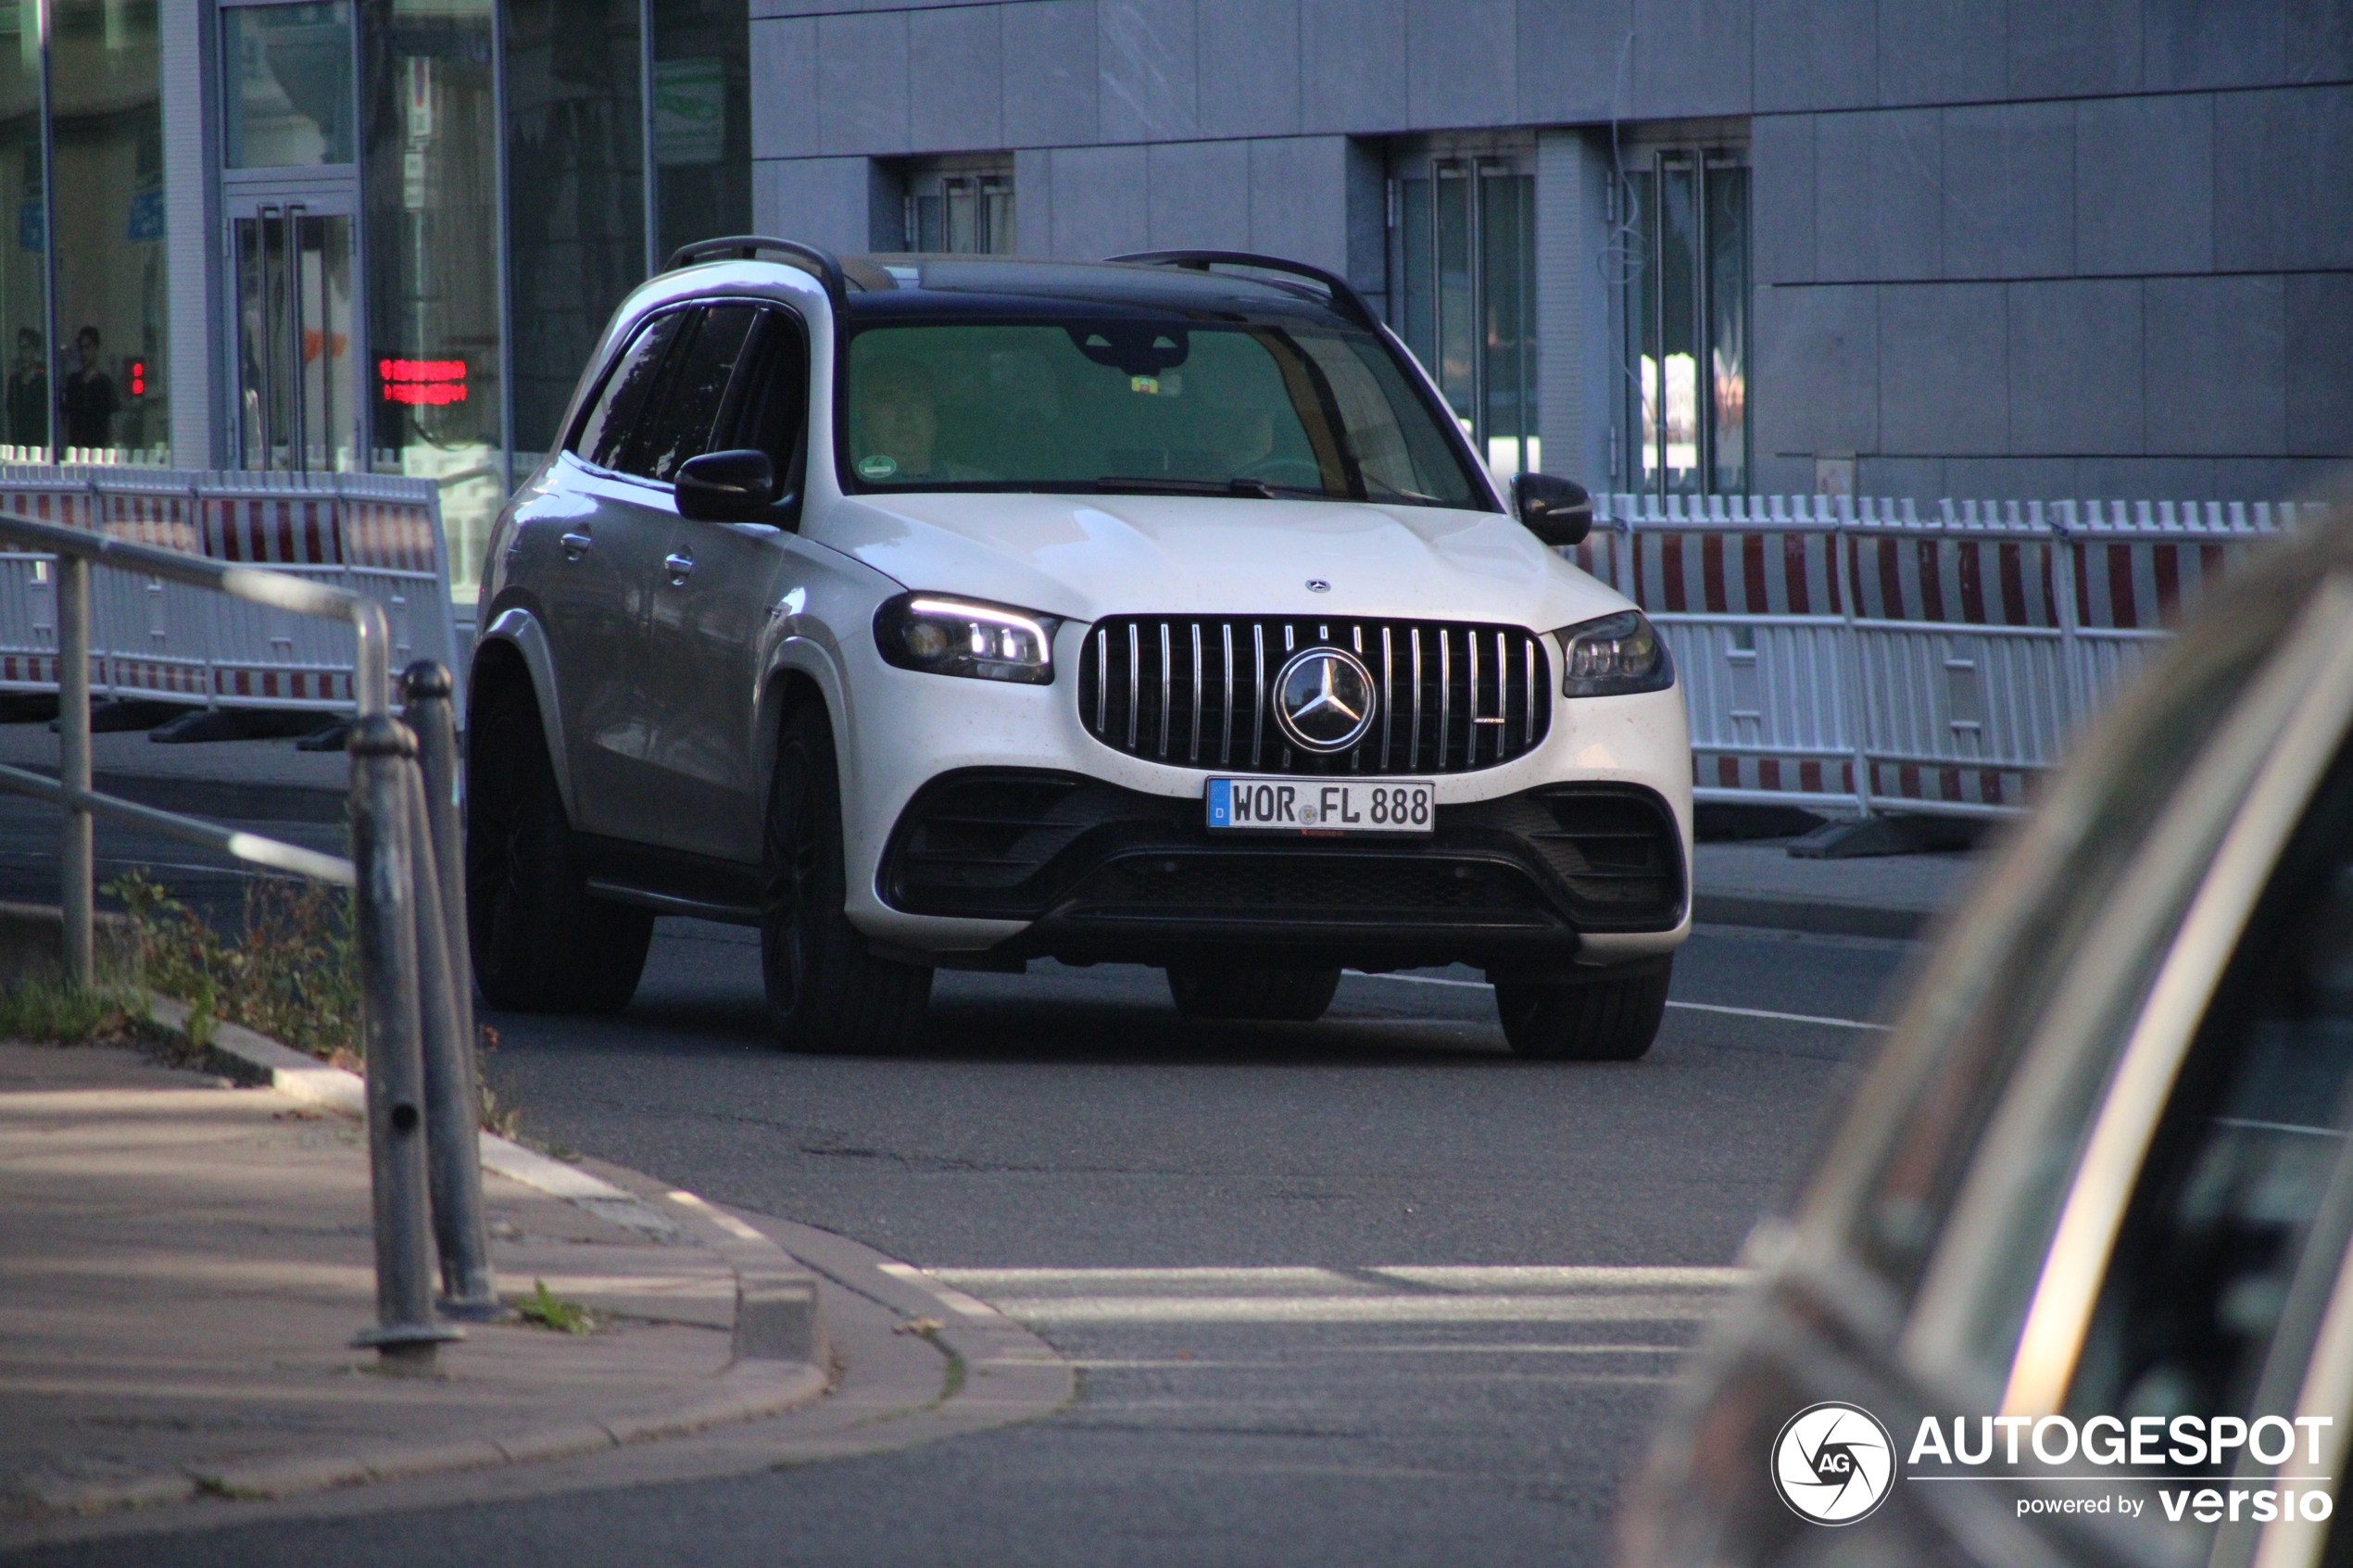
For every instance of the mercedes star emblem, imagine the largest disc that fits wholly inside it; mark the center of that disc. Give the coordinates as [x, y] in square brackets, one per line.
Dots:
[1324, 699]
[1318, 585]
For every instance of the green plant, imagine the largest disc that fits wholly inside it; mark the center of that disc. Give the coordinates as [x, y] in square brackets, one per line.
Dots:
[292, 972]
[549, 1311]
[47, 1008]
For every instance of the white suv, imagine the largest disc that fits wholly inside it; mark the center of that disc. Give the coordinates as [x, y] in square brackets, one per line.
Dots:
[949, 612]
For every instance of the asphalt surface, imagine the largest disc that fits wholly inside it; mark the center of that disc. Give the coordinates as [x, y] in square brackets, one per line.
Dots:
[1204, 1218]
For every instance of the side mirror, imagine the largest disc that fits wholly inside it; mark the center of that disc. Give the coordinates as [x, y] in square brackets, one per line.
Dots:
[1558, 511]
[735, 486]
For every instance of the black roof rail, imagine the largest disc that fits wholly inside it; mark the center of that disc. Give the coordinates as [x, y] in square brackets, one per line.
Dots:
[747, 248]
[1345, 299]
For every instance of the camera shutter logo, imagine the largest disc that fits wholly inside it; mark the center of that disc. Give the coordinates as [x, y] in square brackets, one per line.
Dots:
[1833, 1463]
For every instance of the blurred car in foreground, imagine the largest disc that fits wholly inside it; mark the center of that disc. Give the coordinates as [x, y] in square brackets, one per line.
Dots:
[2070, 1282]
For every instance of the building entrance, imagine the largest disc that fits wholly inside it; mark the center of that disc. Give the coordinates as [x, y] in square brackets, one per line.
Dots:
[292, 266]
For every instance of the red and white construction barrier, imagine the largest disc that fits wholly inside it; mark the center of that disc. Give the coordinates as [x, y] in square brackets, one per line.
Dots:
[1882, 654]
[376, 534]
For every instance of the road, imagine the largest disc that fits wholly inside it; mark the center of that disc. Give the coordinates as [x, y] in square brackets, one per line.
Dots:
[1347, 1293]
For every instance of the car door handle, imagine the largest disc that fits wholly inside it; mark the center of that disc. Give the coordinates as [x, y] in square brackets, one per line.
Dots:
[576, 546]
[679, 565]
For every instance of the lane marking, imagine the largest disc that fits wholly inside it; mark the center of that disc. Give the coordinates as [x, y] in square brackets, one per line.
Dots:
[1680, 1308]
[1397, 1293]
[724, 1221]
[947, 1294]
[1686, 1007]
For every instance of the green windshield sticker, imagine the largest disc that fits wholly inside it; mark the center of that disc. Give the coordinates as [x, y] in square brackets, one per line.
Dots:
[877, 466]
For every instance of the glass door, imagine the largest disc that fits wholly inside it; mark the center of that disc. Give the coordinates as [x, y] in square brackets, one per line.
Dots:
[297, 385]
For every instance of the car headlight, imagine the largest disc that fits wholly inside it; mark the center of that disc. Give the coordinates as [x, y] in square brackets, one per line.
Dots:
[1614, 656]
[943, 635]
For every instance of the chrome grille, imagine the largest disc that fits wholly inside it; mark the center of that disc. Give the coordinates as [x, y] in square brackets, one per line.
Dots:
[1193, 690]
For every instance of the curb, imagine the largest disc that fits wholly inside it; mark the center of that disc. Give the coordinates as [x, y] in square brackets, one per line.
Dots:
[1814, 916]
[782, 1356]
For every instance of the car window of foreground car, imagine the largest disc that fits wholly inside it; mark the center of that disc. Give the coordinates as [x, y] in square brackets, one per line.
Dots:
[1137, 405]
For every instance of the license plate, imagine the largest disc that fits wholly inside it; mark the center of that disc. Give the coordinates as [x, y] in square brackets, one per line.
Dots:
[1394, 807]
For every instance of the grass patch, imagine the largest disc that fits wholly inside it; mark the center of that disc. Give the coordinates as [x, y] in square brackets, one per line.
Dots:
[548, 1309]
[49, 1008]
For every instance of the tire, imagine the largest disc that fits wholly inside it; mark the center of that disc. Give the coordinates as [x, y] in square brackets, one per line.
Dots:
[1601, 1020]
[539, 942]
[1272, 995]
[826, 991]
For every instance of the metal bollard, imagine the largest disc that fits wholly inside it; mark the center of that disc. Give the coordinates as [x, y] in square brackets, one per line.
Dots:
[453, 1111]
[75, 864]
[382, 770]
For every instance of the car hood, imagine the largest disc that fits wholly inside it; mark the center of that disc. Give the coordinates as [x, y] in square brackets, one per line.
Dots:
[1086, 556]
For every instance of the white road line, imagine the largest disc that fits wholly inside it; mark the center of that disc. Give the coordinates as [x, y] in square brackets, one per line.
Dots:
[1398, 1294]
[1686, 1007]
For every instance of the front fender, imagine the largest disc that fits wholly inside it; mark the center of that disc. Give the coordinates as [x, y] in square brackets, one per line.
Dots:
[520, 630]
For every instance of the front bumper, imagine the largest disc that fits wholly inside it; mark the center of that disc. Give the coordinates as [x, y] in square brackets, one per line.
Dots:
[1100, 874]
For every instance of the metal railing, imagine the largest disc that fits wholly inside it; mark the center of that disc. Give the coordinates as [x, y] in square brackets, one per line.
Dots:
[422, 1113]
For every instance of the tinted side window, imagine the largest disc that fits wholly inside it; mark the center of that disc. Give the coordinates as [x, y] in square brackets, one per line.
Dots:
[771, 396]
[677, 422]
[605, 429]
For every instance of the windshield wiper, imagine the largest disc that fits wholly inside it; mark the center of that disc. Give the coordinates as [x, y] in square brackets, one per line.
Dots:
[1141, 485]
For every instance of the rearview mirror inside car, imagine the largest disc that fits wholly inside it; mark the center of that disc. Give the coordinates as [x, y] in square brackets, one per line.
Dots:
[1558, 511]
[734, 486]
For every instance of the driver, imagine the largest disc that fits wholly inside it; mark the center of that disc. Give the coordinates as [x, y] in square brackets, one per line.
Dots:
[899, 425]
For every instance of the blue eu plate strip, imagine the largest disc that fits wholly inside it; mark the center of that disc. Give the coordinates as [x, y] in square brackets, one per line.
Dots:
[1221, 803]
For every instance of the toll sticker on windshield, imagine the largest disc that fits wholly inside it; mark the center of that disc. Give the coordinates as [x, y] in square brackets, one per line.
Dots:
[1156, 386]
[877, 466]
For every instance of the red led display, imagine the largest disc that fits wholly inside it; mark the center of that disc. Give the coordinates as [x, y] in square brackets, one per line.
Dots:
[431, 381]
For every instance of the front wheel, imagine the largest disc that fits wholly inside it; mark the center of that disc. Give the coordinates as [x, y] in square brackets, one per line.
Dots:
[825, 992]
[1600, 1021]
[1272, 995]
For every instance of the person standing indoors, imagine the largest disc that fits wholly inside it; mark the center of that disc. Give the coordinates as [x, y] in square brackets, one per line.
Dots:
[89, 400]
[27, 405]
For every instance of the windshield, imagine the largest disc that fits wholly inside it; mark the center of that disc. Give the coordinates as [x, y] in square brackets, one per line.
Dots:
[1142, 407]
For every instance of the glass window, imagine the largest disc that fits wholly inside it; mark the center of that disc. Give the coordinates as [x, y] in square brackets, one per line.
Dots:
[1465, 295]
[604, 430]
[24, 265]
[677, 425]
[430, 190]
[576, 196]
[968, 212]
[701, 121]
[1685, 219]
[287, 70]
[772, 399]
[112, 308]
[1132, 404]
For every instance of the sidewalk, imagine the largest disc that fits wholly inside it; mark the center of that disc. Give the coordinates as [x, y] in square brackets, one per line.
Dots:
[1757, 882]
[182, 1267]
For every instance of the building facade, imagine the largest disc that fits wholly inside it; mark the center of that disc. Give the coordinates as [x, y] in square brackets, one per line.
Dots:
[1909, 247]
[1912, 248]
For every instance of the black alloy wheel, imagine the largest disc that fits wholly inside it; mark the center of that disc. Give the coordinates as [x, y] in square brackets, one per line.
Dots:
[540, 942]
[1269, 995]
[1599, 1020]
[826, 991]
